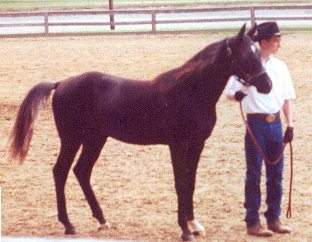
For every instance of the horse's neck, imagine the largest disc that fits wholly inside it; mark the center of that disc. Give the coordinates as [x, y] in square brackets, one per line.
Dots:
[215, 78]
[206, 73]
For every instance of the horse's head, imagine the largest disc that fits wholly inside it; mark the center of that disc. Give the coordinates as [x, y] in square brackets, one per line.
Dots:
[246, 61]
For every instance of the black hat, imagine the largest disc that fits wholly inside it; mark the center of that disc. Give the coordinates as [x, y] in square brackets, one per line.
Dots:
[266, 31]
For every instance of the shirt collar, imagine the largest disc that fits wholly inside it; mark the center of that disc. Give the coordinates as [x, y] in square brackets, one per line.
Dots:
[267, 61]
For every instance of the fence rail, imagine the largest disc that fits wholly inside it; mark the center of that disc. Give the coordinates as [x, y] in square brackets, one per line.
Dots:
[53, 23]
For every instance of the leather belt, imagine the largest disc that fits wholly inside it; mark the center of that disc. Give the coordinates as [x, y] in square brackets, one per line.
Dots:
[269, 118]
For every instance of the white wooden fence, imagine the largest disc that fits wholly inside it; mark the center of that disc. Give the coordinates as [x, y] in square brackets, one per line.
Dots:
[53, 23]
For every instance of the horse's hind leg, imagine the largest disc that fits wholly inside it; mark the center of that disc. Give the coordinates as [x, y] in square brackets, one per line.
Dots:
[90, 152]
[69, 148]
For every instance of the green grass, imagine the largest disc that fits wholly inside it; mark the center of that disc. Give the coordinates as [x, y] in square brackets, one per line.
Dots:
[22, 5]
[41, 4]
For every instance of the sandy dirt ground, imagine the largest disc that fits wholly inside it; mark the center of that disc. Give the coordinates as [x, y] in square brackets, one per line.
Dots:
[134, 184]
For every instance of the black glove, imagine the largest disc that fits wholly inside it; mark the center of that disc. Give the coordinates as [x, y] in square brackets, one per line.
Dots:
[289, 135]
[239, 96]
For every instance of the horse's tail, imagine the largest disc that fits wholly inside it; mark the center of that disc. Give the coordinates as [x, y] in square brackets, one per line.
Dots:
[28, 112]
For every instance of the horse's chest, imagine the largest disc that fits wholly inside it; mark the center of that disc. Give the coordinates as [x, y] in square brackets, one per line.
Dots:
[205, 123]
[195, 126]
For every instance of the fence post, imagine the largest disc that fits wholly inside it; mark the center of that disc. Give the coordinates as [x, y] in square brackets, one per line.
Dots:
[154, 21]
[112, 21]
[111, 15]
[46, 24]
[252, 16]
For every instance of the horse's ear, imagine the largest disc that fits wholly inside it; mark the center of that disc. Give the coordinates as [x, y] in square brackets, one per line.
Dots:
[241, 32]
[252, 31]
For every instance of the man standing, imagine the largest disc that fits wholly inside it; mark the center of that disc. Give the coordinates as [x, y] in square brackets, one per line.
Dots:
[263, 118]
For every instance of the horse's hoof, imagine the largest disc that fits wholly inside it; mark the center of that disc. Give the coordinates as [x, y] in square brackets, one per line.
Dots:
[70, 231]
[196, 228]
[105, 226]
[187, 237]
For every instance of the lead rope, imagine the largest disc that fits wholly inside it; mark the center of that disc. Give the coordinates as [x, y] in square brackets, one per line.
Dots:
[288, 213]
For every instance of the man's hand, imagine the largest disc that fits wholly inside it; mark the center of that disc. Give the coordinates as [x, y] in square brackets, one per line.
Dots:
[289, 135]
[239, 96]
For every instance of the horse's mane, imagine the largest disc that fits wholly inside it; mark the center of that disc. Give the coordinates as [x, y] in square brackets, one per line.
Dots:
[202, 60]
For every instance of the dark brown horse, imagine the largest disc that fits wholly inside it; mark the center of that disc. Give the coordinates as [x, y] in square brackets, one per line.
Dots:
[177, 108]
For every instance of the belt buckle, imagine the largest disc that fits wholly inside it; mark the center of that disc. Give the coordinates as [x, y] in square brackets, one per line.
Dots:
[270, 118]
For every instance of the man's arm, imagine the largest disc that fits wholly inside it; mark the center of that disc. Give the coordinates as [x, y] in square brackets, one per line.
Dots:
[233, 90]
[288, 112]
[230, 97]
[238, 96]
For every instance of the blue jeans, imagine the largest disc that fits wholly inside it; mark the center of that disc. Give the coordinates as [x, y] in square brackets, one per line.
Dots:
[270, 139]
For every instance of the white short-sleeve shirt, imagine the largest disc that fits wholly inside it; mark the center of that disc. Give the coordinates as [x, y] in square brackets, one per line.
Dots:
[282, 89]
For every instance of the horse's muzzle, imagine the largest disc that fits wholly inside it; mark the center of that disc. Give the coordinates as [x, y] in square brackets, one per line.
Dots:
[263, 83]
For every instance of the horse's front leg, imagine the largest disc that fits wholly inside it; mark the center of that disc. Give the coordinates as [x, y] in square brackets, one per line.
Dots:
[194, 152]
[179, 157]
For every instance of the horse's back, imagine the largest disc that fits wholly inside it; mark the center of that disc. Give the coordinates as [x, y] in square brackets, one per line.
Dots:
[122, 108]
